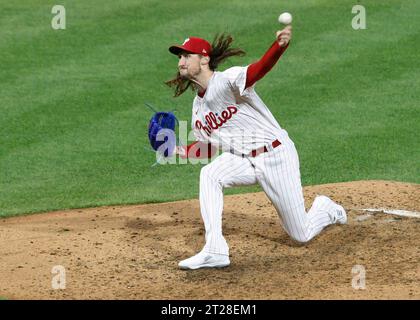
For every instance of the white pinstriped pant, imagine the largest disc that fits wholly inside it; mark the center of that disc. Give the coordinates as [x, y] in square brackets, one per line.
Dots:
[277, 171]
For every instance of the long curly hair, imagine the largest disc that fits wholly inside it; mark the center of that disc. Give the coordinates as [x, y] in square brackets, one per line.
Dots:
[221, 50]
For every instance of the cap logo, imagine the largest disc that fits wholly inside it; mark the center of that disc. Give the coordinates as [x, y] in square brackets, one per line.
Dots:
[186, 40]
[204, 51]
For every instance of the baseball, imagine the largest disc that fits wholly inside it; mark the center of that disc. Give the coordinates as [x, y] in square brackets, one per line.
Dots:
[285, 18]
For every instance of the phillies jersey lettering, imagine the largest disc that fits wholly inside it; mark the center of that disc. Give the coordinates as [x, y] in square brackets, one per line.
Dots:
[213, 122]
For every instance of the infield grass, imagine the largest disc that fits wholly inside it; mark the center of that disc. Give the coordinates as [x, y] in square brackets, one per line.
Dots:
[73, 125]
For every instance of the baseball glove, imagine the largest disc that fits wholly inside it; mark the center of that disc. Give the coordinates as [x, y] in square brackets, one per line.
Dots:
[162, 133]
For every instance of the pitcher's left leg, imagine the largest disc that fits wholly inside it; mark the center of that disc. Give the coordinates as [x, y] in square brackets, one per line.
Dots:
[227, 170]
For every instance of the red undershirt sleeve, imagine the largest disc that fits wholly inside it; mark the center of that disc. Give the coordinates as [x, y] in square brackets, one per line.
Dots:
[198, 150]
[260, 68]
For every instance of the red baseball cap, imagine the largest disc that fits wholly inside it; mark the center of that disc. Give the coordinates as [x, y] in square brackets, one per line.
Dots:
[192, 45]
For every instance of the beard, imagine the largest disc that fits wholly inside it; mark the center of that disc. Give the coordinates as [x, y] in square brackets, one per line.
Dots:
[181, 83]
[184, 76]
[189, 74]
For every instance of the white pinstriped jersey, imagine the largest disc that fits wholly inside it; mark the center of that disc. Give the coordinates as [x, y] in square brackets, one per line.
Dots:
[234, 117]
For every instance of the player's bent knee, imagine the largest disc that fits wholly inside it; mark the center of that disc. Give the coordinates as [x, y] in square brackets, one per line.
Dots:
[301, 239]
[204, 173]
[207, 174]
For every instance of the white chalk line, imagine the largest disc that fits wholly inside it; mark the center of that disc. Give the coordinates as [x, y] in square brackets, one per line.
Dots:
[403, 213]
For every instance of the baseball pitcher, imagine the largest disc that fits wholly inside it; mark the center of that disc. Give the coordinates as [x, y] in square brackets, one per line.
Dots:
[228, 115]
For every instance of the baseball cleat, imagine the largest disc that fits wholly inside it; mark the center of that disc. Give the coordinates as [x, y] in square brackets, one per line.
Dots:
[205, 260]
[335, 211]
[340, 215]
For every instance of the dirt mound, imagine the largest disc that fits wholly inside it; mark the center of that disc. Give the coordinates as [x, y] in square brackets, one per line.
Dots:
[132, 252]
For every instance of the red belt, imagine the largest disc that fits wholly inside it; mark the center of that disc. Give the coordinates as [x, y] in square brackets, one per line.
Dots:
[260, 150]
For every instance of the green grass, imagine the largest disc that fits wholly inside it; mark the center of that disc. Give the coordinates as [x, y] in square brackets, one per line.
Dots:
[73, 122]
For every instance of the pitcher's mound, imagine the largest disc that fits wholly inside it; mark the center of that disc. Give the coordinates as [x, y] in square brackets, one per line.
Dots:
[132, 252]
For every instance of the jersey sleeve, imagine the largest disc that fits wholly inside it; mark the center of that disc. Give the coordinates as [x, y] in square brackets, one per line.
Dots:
[236, 77]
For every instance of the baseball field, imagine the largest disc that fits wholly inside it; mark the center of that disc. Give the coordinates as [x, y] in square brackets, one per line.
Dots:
[74, 150]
